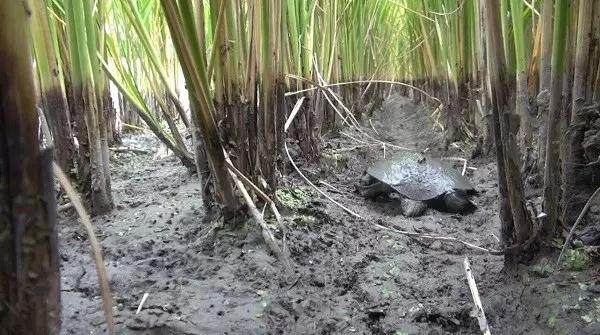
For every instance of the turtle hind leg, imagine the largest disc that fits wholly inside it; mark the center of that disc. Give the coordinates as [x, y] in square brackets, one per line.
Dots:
[457, 203]
[413, 208]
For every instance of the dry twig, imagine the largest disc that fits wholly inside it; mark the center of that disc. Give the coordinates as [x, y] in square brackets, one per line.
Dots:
[373, 127]
[480, 314]
[141, 305]
[579, 219]
[96, 248]
[129, 149]
[266, 232]
[287, 151]
[464, 169]
[258, 191]
[64, 207]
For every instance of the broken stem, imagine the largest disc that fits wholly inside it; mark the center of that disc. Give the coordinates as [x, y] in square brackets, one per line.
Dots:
[579, 219]
[96, 248]
[266, 232]
[480, 314]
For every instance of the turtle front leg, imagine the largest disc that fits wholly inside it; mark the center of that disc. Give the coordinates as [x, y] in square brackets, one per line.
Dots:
[412, 208]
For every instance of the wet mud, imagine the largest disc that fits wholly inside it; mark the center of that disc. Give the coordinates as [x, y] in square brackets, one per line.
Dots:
[350, 277]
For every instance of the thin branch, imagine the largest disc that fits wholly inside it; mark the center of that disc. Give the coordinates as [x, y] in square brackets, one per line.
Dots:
[579, 219]
[483, 324]
[448, 13]
[287, 151]
[293, 113]
[266, 232]
[356, 82]
[464, 169]
[128, 149]
[141, 305]
[96, 248]
[373, 127]
[258, 191]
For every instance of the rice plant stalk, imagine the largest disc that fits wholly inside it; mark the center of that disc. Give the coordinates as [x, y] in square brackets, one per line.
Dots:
[86, 81]
[29, 266]
[181, 22]
[522, 99]
[551, 172]
[53, 99]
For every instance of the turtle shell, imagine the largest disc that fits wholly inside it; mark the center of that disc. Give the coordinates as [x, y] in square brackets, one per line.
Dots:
[419, 177]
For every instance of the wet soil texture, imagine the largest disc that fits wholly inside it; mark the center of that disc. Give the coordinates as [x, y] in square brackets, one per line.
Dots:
[350, 277]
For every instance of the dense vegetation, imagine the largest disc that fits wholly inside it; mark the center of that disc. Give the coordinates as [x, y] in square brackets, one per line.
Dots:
[520, 78]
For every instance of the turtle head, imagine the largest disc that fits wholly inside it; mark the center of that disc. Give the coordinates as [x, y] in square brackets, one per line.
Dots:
[457, 202]
[366, 179]
[371, 187]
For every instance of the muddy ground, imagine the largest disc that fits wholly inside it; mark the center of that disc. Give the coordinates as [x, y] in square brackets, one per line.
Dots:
[350, 276]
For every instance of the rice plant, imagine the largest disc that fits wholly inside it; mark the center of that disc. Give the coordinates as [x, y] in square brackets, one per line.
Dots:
[228, 86]
[237, 60]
